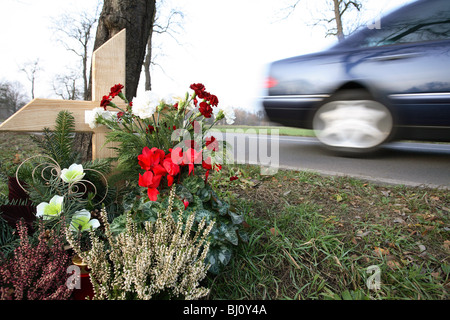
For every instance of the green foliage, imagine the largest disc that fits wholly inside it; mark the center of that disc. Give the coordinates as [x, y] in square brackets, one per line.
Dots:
[226, 233]
[8, 241]
[58, 144]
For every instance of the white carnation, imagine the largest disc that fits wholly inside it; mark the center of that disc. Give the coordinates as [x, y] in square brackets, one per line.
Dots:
[227, 112]
[90, 116]
[144, 105]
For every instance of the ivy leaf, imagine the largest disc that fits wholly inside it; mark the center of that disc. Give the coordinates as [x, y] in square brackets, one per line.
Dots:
[204, 194]
[203, 213]
[217, 257]
[220, 206]
[229, 233]
[236, 218]
[184, 193]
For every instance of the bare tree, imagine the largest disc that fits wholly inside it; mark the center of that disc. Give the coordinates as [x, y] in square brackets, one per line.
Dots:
[77, 36]
[31, 69]
[67, 87]
[12, 98]
[339, 8]
[162, 24]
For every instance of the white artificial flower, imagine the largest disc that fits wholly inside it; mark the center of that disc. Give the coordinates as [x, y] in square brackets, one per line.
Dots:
[52, 209]
[225, 112]
[144, 105]
[82, 221]
[73, 174]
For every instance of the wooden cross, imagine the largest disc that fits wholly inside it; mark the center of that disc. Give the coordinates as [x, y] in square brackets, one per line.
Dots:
[108, 69]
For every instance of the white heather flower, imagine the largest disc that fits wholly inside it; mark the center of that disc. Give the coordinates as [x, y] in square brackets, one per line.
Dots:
[144, 105]
[73, 174]
[225, 112]
[52, 209]
[82, 221]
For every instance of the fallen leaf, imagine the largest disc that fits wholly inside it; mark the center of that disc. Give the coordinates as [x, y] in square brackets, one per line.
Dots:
[16, 158]
[361, 233]
[422, 248]
[381, 251]
[446, 245]
[399, 220]
[386, 193]
[274, 232]
[393, 264]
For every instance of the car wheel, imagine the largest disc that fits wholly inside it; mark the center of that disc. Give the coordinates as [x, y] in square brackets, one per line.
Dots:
[352, 122]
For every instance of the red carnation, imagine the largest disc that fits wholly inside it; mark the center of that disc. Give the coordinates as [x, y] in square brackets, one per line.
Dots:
[205, 109]
[198, 88]
[105, 102]
[115, 90]
[213, 100]
[233, 178]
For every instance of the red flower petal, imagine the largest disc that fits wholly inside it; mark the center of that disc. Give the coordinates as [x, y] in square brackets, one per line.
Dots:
[152, 194]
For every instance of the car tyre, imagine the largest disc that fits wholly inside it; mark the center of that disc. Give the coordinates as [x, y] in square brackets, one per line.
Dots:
[351, 122]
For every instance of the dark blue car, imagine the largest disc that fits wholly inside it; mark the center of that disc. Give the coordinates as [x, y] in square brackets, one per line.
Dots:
[389, 80]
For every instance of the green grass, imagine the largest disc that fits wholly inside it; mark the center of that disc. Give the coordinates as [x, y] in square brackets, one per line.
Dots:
[315, 237]
[283, 131]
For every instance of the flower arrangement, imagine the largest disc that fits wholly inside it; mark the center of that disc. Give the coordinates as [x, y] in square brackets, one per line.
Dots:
[171, 124]
[162, 142]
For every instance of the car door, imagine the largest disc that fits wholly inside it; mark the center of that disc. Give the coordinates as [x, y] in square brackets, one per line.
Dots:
[407, 61]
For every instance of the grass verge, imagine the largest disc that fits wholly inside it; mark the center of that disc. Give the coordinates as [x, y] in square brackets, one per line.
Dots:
[282, 131]
[315, 237]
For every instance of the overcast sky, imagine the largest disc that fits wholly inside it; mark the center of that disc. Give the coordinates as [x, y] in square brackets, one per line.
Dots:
[223, 44]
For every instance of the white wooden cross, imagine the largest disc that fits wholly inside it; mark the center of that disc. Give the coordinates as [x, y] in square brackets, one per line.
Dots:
[108, 69]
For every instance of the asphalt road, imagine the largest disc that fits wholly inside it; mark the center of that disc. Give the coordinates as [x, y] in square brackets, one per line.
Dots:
[412, 164]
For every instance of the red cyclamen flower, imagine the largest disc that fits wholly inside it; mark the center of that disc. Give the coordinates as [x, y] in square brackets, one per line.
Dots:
[171, 168]
[150, 158]
[150, 181]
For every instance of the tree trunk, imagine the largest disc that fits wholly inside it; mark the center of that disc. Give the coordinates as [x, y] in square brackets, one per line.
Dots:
[338, 18]
[137, 17]
[147, 64]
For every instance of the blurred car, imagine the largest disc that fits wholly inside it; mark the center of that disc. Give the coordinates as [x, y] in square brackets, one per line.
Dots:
[389, 80]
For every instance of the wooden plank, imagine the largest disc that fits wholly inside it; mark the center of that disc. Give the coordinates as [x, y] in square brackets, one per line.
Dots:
[40, 113]
[108, 66]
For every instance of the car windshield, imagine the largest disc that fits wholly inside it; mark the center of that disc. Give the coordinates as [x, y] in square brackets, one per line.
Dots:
[416, 22]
